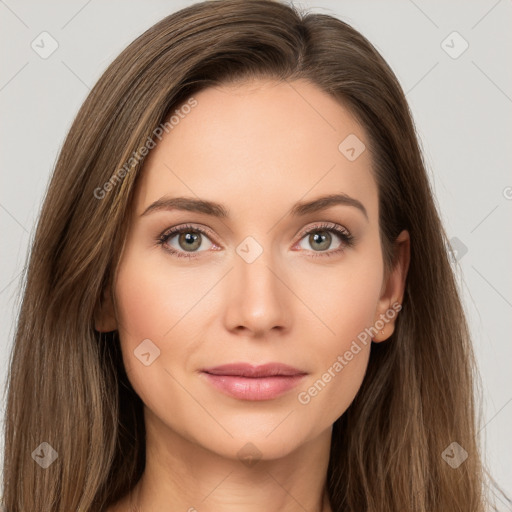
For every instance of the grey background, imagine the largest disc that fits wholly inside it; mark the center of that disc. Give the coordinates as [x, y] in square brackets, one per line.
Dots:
[462, 108]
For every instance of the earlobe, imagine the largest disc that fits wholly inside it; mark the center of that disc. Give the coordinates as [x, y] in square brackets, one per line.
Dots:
[393, 289]
[105, 317]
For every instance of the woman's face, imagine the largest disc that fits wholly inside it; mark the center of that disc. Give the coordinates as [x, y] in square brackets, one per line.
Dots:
[265, 283]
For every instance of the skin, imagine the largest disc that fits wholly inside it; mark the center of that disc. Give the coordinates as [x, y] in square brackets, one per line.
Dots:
[258, 148]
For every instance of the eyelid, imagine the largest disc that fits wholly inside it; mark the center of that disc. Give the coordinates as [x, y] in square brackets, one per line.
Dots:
[341, 231]
[209, 232]
[176, 230]
[324, 225]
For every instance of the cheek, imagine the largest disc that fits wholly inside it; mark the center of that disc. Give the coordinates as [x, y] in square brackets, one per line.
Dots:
[154, 299]
[163, 303]
[157, 301]
[343, 298]
[147, 307]
[340, 358]
[346, 304]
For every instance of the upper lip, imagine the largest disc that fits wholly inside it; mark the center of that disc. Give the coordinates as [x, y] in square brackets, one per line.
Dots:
[249, 370]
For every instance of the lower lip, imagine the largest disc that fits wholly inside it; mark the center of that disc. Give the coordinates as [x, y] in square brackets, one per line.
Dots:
[254, 388]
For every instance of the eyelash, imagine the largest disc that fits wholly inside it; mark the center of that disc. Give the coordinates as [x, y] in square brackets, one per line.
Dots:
[346, 237]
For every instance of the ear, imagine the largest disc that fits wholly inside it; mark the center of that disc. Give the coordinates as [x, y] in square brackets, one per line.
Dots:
[393, 288]
[105, 317]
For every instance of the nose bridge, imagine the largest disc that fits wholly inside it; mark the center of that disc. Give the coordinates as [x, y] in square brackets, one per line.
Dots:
[257, 299]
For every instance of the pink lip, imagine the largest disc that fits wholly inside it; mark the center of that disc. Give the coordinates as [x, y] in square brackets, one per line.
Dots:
[247, 382]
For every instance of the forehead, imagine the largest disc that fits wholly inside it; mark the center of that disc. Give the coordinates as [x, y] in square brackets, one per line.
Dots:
[257, 144]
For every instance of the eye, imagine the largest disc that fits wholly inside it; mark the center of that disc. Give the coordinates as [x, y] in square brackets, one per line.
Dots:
[187, 243]
[320, 238]
[189, 239]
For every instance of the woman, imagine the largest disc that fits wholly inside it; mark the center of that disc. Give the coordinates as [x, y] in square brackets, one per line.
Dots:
[184, 345]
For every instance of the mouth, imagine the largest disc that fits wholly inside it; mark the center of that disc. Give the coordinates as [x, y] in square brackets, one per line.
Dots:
[247, 382]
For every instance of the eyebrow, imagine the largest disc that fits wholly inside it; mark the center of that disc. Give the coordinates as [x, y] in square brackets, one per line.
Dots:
[214, 209]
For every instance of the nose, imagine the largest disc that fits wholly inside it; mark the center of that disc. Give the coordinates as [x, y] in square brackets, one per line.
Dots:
[257, 298]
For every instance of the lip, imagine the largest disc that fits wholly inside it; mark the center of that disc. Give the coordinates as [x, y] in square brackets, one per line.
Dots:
[247, 382]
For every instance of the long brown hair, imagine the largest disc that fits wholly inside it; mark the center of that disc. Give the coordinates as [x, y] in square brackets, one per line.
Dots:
[67, 386]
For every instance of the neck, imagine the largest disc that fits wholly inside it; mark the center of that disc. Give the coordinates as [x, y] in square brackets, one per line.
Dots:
[194, 479]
